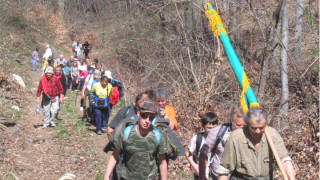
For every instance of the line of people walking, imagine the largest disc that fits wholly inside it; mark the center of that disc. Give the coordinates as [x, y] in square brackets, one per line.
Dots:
[142, 137]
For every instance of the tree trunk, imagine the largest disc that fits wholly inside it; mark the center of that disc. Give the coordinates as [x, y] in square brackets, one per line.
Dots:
[238, 15]
[269, 54]
[284, 73]
[297, 32]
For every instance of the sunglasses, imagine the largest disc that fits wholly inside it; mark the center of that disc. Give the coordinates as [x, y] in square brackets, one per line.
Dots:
[145, 116]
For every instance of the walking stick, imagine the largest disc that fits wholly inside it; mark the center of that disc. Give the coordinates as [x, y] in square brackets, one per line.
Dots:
[275, 153]
[247, 98]
[75, 102]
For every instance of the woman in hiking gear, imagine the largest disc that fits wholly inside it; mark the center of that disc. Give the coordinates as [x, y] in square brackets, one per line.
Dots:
[101, 92]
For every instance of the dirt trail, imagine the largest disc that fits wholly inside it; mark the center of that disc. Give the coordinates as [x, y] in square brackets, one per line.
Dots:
[71, 147]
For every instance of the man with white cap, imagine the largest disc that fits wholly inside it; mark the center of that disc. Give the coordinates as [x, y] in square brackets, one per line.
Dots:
[52, 94]
[48, 53]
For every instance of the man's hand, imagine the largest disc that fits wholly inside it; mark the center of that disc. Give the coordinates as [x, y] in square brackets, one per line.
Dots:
[162, 113]
[61, 98]
[38, 100]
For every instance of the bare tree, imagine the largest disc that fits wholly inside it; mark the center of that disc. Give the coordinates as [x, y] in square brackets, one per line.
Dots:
[283, 65]
[298, 30]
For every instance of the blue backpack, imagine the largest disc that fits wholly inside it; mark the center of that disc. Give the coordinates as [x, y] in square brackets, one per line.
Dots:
[101, 103]
[67, 71]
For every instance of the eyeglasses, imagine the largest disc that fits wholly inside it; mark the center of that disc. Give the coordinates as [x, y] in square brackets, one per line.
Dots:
[145, 116]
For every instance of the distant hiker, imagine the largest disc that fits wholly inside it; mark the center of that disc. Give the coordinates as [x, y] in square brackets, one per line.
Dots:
[99, 66]
[74, 73]
[61, 60]
[247, 154]
[63, 81]
[83, 74]
[87, 48]
[166, 111]
[101, 92]
[208, 121]
[52, 94]
[212, 150]
[77, 47]
[70, 62]
[140, 144]
[49, 63]
[35, 59]
[85, 94]
[69, 65]
[48, 53]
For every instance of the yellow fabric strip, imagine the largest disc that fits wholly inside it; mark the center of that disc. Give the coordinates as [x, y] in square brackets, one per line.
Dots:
[214, 22]
[245, 85]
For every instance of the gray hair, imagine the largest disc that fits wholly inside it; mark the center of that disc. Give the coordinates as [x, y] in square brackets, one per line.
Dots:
[161, 93]
[235, 112]
[258, 113]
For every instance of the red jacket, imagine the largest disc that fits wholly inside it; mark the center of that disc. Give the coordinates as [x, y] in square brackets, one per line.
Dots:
[52, 87]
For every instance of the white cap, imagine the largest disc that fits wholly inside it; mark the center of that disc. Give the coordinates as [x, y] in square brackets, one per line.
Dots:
[48, 46]
[108, 74]
[49, 70]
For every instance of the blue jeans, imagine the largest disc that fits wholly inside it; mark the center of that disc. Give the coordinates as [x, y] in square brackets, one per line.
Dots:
[101, 117]
[34, 64]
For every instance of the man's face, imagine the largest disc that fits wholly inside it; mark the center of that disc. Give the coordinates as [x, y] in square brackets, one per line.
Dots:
[48, 75]
[238, 122]
[61, 57]
[58, 71]
[98, 66]
[104, 83]
[71, 58]
[145, 120]
[161, 101]
[256, 129]
[88, 61]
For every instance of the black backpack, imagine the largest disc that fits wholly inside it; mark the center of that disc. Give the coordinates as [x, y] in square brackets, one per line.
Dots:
[198, 144]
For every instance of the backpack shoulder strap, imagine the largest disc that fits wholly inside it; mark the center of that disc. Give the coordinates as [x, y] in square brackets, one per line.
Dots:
[157, 136]
[198, 142]
[153, 123]
[220, 135]
[126, 134]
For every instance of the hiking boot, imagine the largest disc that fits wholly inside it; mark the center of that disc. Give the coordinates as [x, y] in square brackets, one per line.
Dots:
[53, 125]
[45, 125]
[99, 132]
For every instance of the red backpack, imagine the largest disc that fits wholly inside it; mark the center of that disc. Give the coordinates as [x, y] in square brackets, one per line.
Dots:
[114, 96]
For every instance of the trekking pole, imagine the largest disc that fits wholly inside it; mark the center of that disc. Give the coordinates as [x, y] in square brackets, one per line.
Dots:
[275, 153]
[75, 102]
[247, 98]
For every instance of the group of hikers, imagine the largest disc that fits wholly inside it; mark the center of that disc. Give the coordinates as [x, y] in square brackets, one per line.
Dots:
[142, 136]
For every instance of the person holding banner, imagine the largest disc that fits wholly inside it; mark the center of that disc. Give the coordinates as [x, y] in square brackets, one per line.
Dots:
[247, 154]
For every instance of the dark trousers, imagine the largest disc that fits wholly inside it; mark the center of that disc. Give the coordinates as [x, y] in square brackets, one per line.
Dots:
[74, 83]
[101, 117]
[69, 81]
[81, 84]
